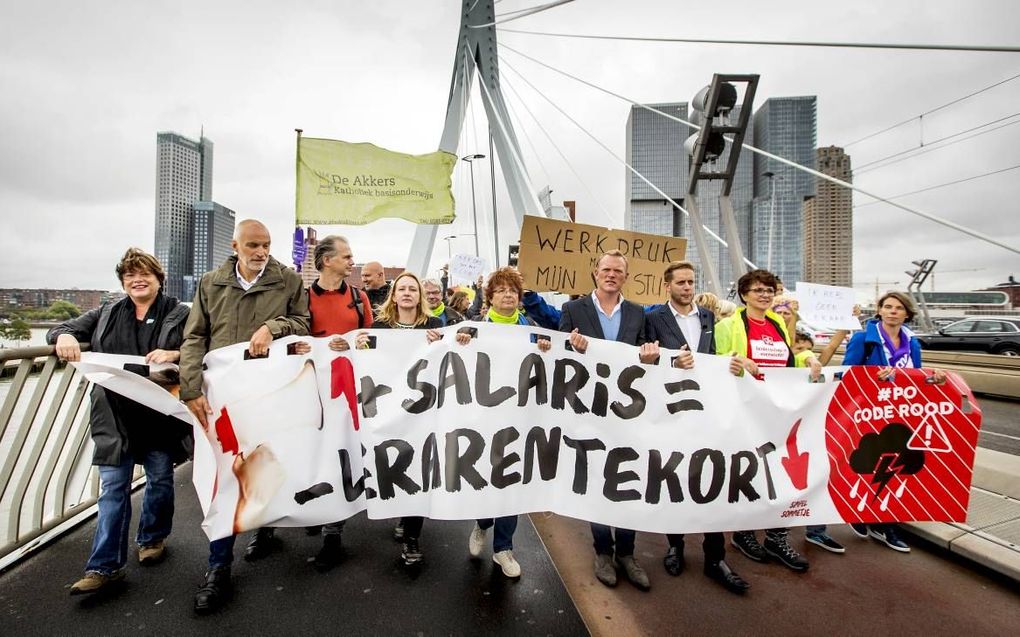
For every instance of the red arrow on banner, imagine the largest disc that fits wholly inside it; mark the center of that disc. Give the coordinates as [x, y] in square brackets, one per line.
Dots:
[795, 464]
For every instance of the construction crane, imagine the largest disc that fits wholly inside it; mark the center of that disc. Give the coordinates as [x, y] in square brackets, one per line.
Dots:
[946, 271]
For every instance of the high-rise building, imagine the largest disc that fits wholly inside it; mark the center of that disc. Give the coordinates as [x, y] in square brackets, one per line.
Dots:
[828, 223]
[183, 177]
[783, 126]
[307, 270]
[655, 148]
[212, 232]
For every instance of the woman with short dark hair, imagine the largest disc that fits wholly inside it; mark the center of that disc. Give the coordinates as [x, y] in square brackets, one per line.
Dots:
[145, 323]
[888, 343]
[757, 337]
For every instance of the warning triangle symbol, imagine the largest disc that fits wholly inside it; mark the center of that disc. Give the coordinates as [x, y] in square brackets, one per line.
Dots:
[930, 436]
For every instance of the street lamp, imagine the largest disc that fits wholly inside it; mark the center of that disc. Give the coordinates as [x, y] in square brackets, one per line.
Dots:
[474, 206]
[449, 250]
[772, 214]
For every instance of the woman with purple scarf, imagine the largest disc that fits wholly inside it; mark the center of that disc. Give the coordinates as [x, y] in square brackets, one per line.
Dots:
[887, 343]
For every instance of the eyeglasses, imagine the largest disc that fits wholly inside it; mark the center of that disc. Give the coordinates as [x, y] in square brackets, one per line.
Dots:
[763, 291]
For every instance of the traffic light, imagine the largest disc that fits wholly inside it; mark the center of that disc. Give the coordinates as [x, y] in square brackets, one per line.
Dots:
[514, 251]
[713, 140]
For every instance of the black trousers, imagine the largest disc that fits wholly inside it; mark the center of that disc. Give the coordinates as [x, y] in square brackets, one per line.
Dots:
[714, 545]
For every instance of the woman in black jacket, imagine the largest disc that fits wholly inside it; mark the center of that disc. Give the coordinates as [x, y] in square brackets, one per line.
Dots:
[145, 323]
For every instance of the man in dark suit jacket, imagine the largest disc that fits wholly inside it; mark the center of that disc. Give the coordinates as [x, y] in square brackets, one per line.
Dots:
[680, 324]
[605, 314]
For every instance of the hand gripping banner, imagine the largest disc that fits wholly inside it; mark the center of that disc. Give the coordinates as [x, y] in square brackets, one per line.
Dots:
[496, 427]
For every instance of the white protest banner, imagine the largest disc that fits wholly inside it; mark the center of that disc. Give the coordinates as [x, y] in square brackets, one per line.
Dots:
[465, 268]
[827, 306]
[495, 427]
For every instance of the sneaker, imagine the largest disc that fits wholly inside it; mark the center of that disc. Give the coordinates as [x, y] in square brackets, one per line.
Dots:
[891, 539]
[152, 554]
[748, 544]
[860, 530]
[637, 575]
[331, 553]
[507, 563]
[93, 582]
[778, 547]
[823, 540]
[411, 554]
[605, 570]
[476, 543]
[398, 532]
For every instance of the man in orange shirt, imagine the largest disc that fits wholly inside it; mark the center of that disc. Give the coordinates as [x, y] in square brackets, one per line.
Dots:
[336, 308]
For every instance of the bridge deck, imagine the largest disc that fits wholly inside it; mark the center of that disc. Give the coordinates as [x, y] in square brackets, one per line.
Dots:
[869, 589]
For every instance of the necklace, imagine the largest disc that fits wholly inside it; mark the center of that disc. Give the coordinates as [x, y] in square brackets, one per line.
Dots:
[405, 326]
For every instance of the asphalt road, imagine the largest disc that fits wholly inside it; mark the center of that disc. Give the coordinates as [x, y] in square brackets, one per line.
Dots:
[1000, 425]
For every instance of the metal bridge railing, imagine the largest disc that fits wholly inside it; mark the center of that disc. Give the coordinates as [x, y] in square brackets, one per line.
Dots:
[46, 475]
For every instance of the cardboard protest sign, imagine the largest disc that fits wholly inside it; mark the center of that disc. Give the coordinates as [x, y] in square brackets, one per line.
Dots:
[559, 256]
[827, 306]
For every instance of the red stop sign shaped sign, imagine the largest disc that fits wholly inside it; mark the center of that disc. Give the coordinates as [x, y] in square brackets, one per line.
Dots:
[901, 450]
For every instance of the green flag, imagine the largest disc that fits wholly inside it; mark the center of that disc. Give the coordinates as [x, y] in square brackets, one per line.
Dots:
[354, 184]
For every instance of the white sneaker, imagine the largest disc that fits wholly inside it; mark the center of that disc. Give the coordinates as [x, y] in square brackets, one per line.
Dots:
[506, 561]
[476, 542]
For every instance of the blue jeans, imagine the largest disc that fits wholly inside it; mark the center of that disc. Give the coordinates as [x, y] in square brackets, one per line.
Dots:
[221, 552]
[110, 545]
[603, 536]
[503, 536]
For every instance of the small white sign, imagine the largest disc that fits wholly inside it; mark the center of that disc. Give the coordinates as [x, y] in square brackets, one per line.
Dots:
[827, 306]
[465, 268]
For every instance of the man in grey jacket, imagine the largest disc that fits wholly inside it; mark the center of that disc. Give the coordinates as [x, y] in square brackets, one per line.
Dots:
[251, 297]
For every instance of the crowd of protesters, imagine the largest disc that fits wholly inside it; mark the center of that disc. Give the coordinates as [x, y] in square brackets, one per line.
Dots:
[255, 299]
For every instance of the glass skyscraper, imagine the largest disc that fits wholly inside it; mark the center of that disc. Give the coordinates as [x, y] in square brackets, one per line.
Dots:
[783, 126]
[212, 230]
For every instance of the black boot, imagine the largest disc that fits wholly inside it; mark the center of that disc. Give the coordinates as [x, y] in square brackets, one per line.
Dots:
[330, 554]
[262, 544]
[721, 572]
[216, 592]
[674, 560]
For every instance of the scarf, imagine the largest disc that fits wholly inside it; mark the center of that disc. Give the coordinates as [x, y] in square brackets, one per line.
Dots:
[127, 335]
[899, 356]
[495, 317]
[439, 310]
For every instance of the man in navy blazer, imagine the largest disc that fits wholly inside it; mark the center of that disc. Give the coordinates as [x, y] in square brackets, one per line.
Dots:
[607, 315]
[680, 324]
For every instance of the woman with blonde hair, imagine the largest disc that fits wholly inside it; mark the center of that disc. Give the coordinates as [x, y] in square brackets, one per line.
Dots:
[405, 308]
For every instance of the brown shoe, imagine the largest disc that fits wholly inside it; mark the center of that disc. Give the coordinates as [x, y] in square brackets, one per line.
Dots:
[94, 582]
[153, 554]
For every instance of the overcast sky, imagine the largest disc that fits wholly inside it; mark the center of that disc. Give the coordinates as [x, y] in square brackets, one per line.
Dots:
[87, 85]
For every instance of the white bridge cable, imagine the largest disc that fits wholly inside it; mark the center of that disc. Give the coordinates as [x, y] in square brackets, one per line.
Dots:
[520, 13]
[945, 222]
[943, 185]
[563, 156]
[711, 233]
[524, 131]
[929, 149]
[841, 45]
[515, 155]
[937, 141]
[933, 110]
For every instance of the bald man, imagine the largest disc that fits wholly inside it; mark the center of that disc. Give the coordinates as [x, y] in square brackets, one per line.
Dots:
[373, 279]
[252, 297]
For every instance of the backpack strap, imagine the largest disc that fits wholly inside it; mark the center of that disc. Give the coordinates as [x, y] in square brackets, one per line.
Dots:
[356, 303]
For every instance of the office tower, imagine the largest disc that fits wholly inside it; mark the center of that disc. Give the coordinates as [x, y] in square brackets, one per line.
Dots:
[783, 126]
[828, 223]
[183, 177]
[212, 232]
